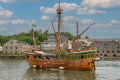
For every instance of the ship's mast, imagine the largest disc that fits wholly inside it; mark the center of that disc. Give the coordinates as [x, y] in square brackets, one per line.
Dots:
[59, 12]
[34, 42]
[77, 36]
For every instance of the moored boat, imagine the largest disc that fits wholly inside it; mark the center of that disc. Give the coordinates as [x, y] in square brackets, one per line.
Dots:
[73, 60]
[78, 60]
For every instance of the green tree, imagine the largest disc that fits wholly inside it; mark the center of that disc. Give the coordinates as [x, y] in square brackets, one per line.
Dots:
[69, 35]
[3, 39]
[86, 37]
[27, 37]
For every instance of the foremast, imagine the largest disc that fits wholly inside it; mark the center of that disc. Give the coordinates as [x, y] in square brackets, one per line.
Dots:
[59, 12]
[34, 41]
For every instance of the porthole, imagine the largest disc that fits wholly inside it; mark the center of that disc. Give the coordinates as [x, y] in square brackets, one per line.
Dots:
[82, 57]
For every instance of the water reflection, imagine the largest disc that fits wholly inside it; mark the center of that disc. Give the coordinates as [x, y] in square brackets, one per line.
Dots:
[58, 74]
[12, 69]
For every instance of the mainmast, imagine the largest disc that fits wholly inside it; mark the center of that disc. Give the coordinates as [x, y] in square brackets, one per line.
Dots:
[77, 36]
[59, 12]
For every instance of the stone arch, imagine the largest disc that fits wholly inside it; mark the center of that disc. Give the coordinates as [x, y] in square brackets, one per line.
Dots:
[114, 55]
[105, 55]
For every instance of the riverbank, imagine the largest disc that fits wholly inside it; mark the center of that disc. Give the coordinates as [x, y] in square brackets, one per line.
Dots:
[12, 55]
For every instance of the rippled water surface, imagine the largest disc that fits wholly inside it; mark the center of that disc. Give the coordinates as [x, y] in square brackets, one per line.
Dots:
[17, 69]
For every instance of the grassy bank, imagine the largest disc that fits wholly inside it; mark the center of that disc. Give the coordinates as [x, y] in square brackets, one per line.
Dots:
[13, 54]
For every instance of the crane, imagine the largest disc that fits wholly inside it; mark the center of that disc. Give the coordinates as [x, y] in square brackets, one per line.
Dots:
[86, 29]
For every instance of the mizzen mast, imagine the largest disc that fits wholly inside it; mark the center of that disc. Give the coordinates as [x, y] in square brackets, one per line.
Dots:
[59, 12]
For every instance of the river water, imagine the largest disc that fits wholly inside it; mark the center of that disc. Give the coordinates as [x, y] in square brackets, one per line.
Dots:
[17, 69]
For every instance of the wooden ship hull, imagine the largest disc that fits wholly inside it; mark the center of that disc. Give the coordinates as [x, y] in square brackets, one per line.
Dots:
[75, 61]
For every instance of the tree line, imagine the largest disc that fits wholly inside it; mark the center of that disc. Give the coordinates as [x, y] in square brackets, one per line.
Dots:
[27, 37]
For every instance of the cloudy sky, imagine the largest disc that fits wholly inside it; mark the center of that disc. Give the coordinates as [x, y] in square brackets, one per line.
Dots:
[17, 16]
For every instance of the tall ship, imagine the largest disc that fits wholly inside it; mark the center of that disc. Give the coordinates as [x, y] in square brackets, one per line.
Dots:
[74, 59]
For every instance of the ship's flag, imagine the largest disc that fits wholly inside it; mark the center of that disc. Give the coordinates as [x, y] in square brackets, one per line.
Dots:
[34, 25]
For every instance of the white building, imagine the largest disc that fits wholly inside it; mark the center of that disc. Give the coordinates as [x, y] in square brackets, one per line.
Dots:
[15, 46]
[0, 48]
[50, 44]
[81, 43]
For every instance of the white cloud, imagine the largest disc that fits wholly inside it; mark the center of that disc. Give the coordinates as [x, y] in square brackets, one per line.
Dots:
[5, 1]
[98, 27]
[2, 29]
[114, 22]
[94, 11]
[21, 21]
[86, 10]
[48, 10]
[6, 17]
[103, 25]
[101, 3]
[32, 22]
[71, 7]
[5, 13]
[82, 21]
[16, 22]
[69, 18]
[86, 21]
[67, 6]
[70, 23]
[44, 17]
[64, 5]
[111, 24]
[2, 22]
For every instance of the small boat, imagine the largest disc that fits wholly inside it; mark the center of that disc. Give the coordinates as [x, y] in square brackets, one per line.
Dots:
[73, 60]
[98, 58]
